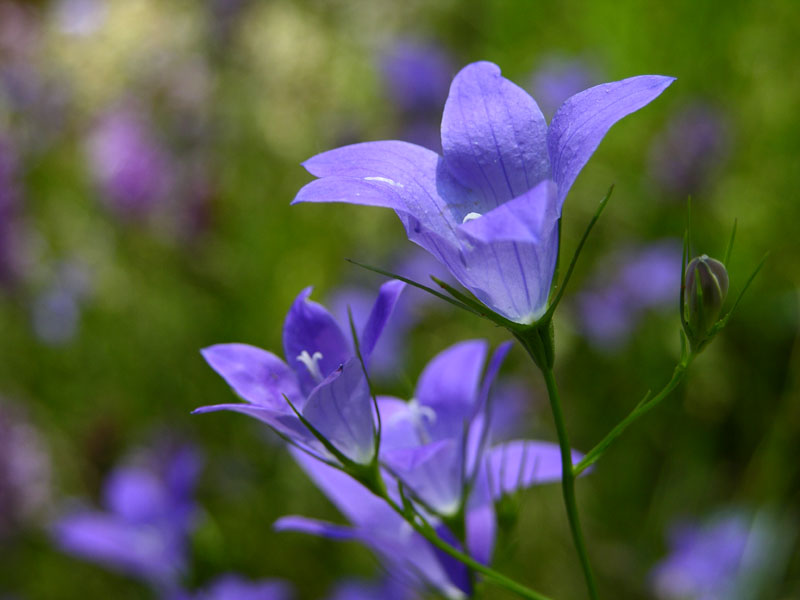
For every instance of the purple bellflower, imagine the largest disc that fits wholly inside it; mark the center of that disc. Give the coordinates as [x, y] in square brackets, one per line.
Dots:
[488, 209]
[128, 164]
[235, 587]
[686, 155]
[639, 280]
[438, 446]
[25, 470]
[734, 555]
[322, 378]
[144, 527]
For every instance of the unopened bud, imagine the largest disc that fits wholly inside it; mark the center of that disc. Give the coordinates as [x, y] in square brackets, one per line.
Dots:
[706, 289]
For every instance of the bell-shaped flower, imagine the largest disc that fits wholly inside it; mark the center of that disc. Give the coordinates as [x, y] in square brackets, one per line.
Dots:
[321, 381]
[438, 447]
[488, 209]
[144, 527]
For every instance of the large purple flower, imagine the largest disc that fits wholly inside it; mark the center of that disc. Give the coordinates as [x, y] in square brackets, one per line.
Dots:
[322, 378]
[489, 208]
[147, 517]
[438, 446]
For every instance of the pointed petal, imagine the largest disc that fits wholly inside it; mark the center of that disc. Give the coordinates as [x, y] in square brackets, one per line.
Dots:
[381, 311]
[583, 120]
[512, 278]
[529, 217]
[449, 386]
[340, 408]
[310, 328]
[287, 424]
[257, 376]
[393, 174]
[481, 520]
[493, 135]
[315, 527]
[398, 420]
[432, 471]
[142, 551]
[361, 507]
[521, 464]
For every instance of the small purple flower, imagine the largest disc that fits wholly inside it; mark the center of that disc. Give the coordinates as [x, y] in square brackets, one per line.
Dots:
[439, 447]
[147, 516]
[322, 378]
[416, 75]
[128, 163]
[235, 587]
[386, 589]
[558, 78]
[687, 153]
[632, 282]
[489, 208]
[25, 470]
[733, 555]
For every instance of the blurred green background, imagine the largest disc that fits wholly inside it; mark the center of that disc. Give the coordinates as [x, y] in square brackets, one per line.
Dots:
[236, 95]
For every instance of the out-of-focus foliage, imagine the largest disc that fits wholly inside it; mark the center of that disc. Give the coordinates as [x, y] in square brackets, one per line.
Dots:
[148, 154]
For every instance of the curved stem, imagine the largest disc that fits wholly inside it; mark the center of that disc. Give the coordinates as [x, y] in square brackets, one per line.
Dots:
[426, 531]
[639, 411]
[568, 482]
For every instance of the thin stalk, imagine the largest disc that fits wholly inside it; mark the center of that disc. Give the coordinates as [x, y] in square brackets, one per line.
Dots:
[641, 409]
[568, 482]
[426, 531]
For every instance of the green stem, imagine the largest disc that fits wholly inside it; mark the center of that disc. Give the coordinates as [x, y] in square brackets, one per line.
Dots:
[639, 411]
[426, 531]
[568, 482]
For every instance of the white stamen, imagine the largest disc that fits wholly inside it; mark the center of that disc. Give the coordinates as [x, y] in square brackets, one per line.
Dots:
[471, 217]
[384, 180]
[311, 362]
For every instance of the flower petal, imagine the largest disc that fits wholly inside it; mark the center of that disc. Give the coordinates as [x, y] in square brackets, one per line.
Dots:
[286, 424]
[315, 527]
[142, 551]
[529, 217]
[381, 311]
[521, 463]
[493, 135]
[432, 471]
[340, 408]
[399, 423]
[481, 521]
[310, 329]
[392, 174]
[583, 120]
[257, 376]
[449, 386]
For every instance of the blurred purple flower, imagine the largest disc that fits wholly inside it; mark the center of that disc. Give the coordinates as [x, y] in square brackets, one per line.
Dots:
[323, 379]
[235, 587]
[632, 282]
[685, 156]
[128, 164]
[80, 17]
[489, 208]
[734, 555]
[416, 75]
[558, 78]
[56, 311]
[386, 589]
[25, 469]
[435, 444]
[147, 517]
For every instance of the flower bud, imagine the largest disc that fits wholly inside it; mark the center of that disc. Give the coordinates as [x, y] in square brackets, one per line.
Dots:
[706, 289]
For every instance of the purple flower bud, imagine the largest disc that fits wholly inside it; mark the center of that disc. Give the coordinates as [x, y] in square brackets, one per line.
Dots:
[706, 289]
